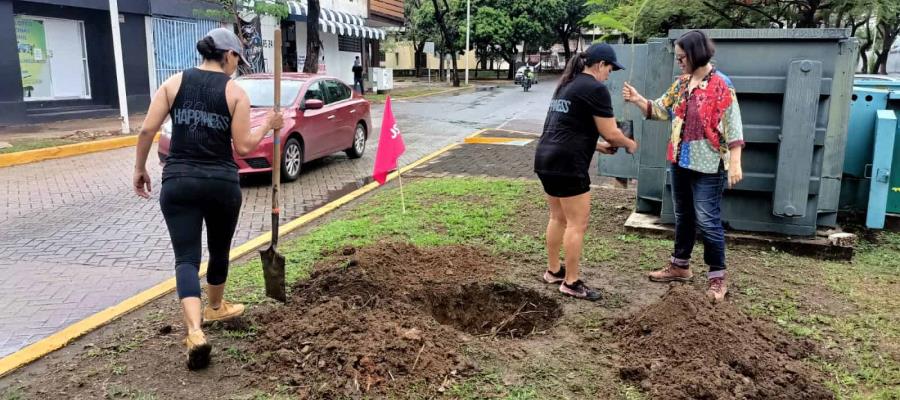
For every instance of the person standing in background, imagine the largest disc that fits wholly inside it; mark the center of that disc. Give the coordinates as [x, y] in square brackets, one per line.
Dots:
[358, 75]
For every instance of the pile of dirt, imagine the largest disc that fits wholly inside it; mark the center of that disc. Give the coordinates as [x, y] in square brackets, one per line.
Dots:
[686, 347]
[367, 320]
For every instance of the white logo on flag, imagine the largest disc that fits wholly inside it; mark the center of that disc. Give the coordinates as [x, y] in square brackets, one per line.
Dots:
[395, 131]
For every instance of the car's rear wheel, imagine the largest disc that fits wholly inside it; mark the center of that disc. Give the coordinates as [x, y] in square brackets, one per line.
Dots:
[291, 160]
[359, 142]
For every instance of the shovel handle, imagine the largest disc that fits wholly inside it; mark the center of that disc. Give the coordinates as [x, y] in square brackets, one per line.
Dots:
[276, 147]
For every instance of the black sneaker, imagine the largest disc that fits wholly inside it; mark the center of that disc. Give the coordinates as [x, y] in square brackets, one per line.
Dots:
[558, 277]
[580, 291]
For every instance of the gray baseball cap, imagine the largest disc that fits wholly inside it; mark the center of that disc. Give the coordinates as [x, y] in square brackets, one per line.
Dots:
[227, 40]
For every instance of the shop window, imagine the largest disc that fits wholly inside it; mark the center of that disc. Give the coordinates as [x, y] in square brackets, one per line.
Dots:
[349, 44]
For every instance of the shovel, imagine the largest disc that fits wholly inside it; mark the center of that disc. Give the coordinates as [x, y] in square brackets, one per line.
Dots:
[272, 261]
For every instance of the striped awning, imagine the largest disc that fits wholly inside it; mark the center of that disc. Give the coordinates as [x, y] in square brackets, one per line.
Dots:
[338, 22]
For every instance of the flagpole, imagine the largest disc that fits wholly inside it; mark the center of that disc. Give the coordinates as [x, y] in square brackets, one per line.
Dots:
[402, 198]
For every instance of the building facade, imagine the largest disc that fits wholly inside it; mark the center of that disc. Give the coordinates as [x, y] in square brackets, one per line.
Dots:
[56, 56]
[56, 59]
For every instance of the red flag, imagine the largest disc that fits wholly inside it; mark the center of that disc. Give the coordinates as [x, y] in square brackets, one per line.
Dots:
[390, 145]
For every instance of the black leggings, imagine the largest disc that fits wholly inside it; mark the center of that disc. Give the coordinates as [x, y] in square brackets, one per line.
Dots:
[186, 203]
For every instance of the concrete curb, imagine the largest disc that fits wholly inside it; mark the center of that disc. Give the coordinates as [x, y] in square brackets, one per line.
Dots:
[62, 338]
[69, 150]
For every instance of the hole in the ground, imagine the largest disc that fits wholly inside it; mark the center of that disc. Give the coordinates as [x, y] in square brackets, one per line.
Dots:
[494, 309]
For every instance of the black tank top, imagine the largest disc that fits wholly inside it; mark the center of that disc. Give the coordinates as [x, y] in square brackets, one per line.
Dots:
[201, 129]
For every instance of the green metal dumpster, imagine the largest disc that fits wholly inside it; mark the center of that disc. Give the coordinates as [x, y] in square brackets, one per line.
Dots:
[794, 90]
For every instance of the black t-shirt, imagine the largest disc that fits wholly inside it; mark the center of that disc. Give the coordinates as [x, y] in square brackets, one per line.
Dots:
[201, 129]
[357, 71]
[570, 135]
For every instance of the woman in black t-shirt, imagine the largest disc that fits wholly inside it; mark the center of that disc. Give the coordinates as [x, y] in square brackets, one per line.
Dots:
[210, 117]
[580, 113]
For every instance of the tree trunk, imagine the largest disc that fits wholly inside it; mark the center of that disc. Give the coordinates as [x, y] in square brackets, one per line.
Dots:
[454, 74]
[313, 44]
[864, 56]
[420, 49]
[511, 61]
[449, 42]
[888, 35]
[808, 17]
[441, 66]
[566, 47]
[880, 66]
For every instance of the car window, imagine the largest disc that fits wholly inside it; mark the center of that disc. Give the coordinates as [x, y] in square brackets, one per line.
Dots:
[315, 92]
[262, 91]
[336, 91]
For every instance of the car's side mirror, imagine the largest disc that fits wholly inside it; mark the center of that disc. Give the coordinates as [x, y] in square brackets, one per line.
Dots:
[311, 104]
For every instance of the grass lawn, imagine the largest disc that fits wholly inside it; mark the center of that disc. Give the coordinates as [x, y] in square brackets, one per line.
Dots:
[37, 143]
[850, 310]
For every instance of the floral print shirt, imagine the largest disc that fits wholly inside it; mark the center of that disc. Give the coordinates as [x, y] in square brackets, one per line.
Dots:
[706, 122]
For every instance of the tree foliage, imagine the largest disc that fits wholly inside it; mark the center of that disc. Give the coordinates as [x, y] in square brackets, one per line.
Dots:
[233, 10]
[876, 23]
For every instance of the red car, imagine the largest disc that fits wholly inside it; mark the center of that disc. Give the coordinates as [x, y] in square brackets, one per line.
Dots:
[322, 116]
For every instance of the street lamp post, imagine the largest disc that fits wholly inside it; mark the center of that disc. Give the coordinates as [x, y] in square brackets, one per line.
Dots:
[468, 24]
[120, 69]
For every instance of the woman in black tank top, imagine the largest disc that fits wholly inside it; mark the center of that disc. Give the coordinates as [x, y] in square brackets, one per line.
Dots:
[210, 116]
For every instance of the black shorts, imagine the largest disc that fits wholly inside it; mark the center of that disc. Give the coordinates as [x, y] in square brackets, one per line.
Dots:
[565, 186]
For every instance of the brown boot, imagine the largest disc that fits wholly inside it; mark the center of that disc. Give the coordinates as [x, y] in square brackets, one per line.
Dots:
[717, 289]
[225, 312]
[197, 350]
[671, 273]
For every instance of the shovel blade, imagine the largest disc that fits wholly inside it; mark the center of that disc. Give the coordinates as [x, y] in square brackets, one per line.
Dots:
[273, 273]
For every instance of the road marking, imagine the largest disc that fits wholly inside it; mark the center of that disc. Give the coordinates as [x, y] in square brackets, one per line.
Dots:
[60, 339]
[498, 140]
[69, 150]
[514, 116]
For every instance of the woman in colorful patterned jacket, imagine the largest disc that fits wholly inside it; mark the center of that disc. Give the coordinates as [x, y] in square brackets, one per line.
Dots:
[705, 153]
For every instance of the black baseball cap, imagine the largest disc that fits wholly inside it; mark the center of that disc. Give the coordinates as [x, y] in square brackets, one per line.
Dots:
[602, 52]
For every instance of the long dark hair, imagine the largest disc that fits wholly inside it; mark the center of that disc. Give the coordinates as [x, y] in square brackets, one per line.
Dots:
[576, 65]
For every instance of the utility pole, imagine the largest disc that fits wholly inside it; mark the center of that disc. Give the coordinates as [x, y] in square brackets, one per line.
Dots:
[120, 69]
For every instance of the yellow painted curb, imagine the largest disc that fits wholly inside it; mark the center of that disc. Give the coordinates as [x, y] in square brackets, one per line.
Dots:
[494, 140]
[30, 156]
[477, 133]
[60, 339]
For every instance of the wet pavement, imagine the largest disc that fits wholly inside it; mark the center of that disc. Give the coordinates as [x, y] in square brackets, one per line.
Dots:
[76, 240]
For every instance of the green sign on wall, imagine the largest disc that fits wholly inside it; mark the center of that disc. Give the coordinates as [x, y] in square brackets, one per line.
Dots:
[32, 45]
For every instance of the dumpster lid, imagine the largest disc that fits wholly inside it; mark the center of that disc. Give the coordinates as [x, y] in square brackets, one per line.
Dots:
[757, 34]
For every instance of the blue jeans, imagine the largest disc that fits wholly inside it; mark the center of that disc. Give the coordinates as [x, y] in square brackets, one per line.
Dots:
[697, 198]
